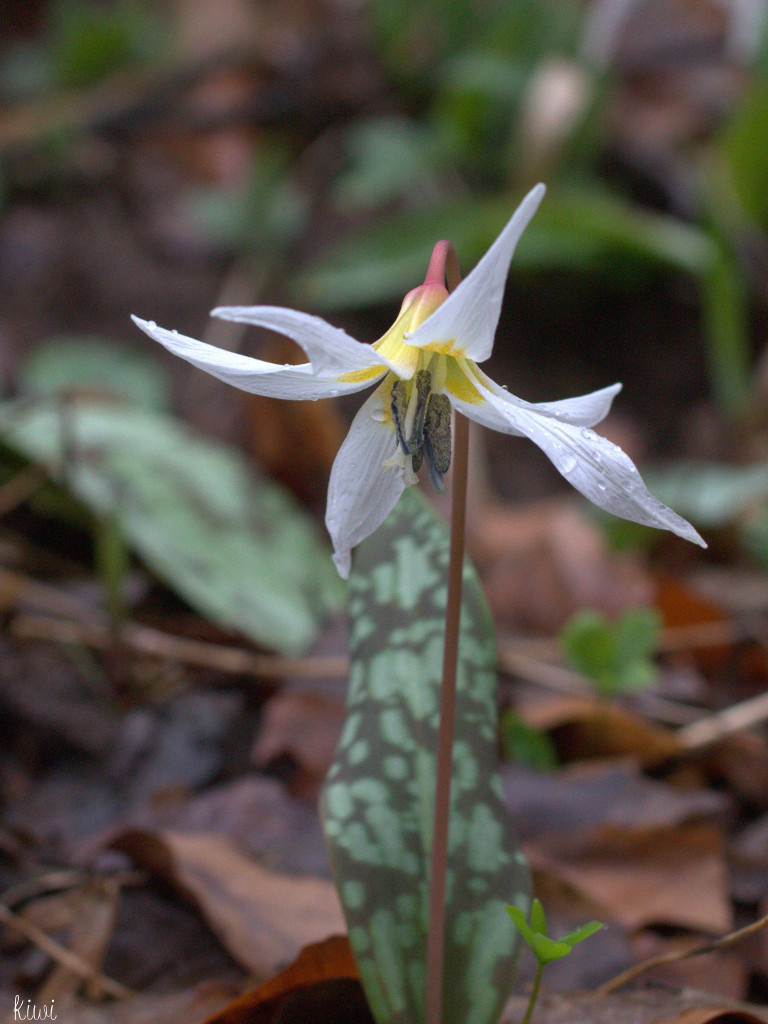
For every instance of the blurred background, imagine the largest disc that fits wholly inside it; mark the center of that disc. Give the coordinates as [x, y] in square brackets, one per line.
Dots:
[163, 158]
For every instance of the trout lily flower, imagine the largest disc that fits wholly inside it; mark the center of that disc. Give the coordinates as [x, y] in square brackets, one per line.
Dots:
[424, 364]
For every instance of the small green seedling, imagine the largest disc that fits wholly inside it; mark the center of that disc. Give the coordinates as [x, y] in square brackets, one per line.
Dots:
[544, 948]
[616, 656]
[525, 744]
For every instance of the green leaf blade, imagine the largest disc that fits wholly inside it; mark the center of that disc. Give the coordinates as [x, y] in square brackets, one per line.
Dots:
[584, 932]
[378, 800]
[234, 545]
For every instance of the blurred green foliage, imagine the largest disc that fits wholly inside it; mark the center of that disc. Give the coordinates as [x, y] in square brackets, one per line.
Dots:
[233, 544]
[71, 365]
[617, 657]
[524, 743]
[492, 99]
[483, 100]
[89, 40]
[81, 42]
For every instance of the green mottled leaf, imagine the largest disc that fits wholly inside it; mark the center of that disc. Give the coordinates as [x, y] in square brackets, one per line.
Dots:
[637, 634]
[232, 544]
[378, 799]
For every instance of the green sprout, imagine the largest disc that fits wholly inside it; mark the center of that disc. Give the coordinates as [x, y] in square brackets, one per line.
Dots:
[525, 744]
[544, 948]
[616, 656]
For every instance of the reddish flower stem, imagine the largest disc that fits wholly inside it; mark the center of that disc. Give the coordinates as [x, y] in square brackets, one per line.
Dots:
[439, 860]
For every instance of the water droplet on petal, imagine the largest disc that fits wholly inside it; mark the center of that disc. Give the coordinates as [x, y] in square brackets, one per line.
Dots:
[601, 487]
[504, 387]
[333, 392]
[568, 463]
[151, 325]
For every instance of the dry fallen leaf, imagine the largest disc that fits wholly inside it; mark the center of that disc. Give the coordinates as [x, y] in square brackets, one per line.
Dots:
[541, 563]
[304, 726]
[591, 793]
[184, 1007]
[261, 917]
[322, 972]
[94, 913]
[256, 813]
[681, 605]
[583, 728]
[641, 1006]
[724, 973]
[641, 876]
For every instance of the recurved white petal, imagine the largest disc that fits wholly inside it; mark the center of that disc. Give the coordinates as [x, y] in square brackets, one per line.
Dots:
[250, 374]
[582, 411]
[465, 324]
[361, 492]
[596, 467]
[331, 351]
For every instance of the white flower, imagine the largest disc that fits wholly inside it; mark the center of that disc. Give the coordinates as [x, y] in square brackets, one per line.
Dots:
[427, 359]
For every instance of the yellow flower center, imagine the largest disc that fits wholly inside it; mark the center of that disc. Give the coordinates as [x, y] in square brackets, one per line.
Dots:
[415, 393]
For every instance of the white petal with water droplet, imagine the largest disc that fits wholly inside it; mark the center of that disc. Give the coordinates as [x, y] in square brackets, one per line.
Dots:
[254, 375]
[596, 467]
[362, 493]
[331, 351]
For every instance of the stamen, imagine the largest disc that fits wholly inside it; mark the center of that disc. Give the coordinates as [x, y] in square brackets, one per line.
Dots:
[399, 405]
[437, 439]
[408, 413]
[423, 386]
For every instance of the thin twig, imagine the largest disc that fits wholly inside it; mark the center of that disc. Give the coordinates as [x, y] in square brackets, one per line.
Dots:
[694, 637]
[444, 765]
[51, 881]
[724, 723]
[563, 680]
[154, 643]
[681, 954]
[61, 954]
[17, 590]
